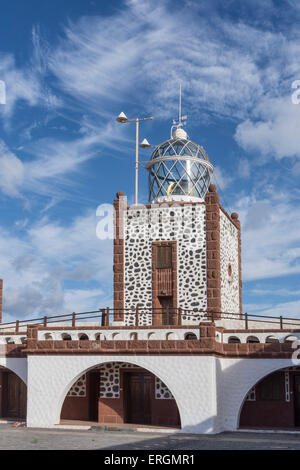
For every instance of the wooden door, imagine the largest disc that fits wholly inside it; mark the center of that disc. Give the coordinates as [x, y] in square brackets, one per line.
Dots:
[167, 305]
[16, 397]
[297, 399]
[138, 397]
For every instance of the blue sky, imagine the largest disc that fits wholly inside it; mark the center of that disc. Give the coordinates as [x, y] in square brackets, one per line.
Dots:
[70, 67]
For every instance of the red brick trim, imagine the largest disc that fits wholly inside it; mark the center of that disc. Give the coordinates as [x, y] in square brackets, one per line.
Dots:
[237, 223]
[120, 205]
[213, 252]
[157, 318]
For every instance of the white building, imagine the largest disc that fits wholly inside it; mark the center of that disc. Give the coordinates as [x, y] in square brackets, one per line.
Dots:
[176, 350]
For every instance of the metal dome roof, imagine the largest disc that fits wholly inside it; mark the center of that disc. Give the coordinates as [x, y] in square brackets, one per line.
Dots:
[179, 147]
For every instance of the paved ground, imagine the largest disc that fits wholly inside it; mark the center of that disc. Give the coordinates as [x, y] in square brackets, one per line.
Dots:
[23, 438]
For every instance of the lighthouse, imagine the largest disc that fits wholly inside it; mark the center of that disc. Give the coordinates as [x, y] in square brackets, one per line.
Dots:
[177, 259]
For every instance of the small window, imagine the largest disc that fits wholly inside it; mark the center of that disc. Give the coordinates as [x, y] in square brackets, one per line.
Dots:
[233, 340]
[164, 257]
[271, 388]
[48, 336]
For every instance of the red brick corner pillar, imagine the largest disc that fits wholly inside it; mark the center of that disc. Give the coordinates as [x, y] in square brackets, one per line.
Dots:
[120, 206]
[1, 289]
[213, 252]
[237, 223]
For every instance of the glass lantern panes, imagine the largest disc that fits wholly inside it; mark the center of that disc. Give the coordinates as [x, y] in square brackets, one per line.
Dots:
[170, 175]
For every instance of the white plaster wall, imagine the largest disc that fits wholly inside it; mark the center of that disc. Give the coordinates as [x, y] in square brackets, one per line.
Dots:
[160, 334]
[209, 392]
[229, 254]
[186, 224]
[16, 365]
[191, 380]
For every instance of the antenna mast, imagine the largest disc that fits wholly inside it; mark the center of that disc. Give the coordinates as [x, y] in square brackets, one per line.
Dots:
[179, 116]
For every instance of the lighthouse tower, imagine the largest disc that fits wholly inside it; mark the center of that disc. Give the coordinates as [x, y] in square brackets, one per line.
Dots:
[177, 259]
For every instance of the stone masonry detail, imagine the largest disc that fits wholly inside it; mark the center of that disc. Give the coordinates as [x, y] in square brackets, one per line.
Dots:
[161, 391]
[229, 254]
[110, 381]
[184, 224]
[79, 388]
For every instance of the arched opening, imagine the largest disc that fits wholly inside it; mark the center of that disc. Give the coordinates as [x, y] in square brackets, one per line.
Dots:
[290, 339]
[233, 340]
[274, 402]
[252, 339]
[66, 337]
[120, 392]
[272, 339]
[133, 336]
[100, 337]
[13, 395]
[83, 337]
[190, 336]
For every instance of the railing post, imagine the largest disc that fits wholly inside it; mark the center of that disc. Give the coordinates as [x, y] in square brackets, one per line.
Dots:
[73, 319]
[45, 322]
[107, 316]
[137, 315]
[246, 321]
[212, 317]
[17, 326]
[103, 317]
[281, 322]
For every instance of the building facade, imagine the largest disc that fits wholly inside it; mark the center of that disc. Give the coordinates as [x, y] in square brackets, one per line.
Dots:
[176, 349]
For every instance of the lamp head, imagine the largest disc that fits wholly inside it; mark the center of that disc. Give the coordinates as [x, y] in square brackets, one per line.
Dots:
[145, 144]
[122, 118]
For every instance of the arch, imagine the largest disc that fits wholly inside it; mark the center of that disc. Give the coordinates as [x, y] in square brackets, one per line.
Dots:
[48, 336]
[9, 340]
[190, 336]
[290, 339]
[273, 401]
[151, 336]
[247, 372]
[131, 361]
[133, 336]
[66, 337]
[83, 337]
[100, 337]
[272, 339]
[233, 340]
[156, 389]
[171, 336]
[252, 339]
[13, 394]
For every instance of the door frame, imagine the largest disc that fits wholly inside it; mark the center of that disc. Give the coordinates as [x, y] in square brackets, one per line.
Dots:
[123, 383]
[4, 401]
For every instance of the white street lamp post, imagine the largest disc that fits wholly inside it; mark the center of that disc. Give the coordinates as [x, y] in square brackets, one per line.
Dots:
[123, 118]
